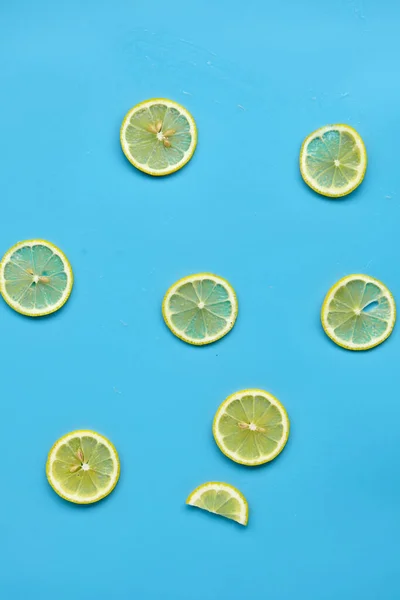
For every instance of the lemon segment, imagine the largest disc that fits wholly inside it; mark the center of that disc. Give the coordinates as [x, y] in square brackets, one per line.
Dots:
[358, 313]
[251, 427]
[333, 160]
[35, 278]
[221, 499]
[83, 467]
[200, 309]
[158, 136]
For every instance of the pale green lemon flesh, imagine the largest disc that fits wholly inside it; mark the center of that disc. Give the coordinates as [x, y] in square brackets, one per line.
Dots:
[359, 312]
[221, 499]
[36, 278]
[83, 467]
[200, 308]
[251, 427]
[333, 160]
[158, 136]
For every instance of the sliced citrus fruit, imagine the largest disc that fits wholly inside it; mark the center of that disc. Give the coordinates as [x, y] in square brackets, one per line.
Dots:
[35, 278]
[83, 467]
[200, 309]
[221, 499]
[251, 427]
[158, 136]
[333, 160]
[358, 313]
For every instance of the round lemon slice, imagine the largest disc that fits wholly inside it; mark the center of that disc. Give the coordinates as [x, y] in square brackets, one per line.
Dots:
[83, 467]
[358, 313]
[35, 278]
[221, 499]
[251, 427]
[158, 136]
[200, 309]
[333, 160]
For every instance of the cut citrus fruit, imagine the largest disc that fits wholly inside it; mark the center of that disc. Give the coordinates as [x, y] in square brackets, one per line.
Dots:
[158, 136]
[200, 309]
[358, 313]
[221, 499]
[35, 278]
[251, 427]
[333, 160]
[83, 467]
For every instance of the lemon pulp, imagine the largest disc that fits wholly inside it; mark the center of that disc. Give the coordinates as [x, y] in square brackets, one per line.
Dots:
[83, 467]
[158, 136]
[221, 499]
[358, 313]
[201, 308]
[333, 160]
[35, 278]
[251, 427]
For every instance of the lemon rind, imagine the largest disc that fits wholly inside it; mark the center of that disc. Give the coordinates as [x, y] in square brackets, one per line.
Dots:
[227, 487]
[331, 293]
[51, 457]
[189, 153]
[190, 278]
[285, 422]
[363, 167]
[68, 269]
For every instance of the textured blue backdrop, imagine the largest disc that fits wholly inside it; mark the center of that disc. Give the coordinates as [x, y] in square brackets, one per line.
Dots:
[257, 77]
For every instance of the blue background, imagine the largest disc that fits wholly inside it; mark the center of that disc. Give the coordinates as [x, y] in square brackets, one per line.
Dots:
[258, 77]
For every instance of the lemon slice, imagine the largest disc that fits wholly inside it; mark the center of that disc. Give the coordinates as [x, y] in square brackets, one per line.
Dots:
[333, 160]
[158, 136]
[358, 313]
[221, 499]
[200, 309]
[83, 467]
[35, 278]
[251, 427]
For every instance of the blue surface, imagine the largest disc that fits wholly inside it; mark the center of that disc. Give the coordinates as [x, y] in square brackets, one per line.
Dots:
[258, 77]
